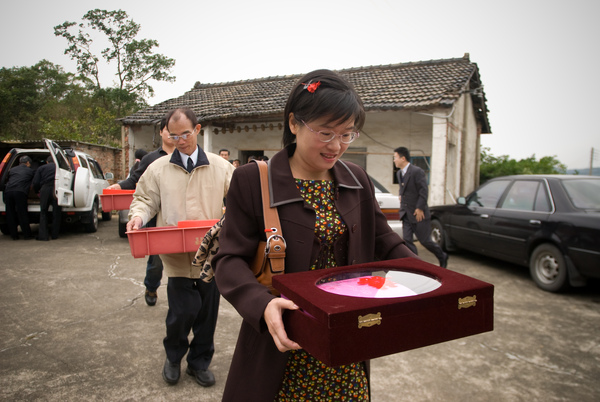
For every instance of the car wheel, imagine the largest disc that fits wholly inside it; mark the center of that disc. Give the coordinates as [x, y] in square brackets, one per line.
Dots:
[93, 225]
[106, 216]
[122, 229]
[548, 268]
[437, 233]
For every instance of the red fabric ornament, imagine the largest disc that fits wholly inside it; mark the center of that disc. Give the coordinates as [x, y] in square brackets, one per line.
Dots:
[312, 86]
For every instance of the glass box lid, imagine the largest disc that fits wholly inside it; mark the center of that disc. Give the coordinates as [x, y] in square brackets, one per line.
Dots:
[378, 284]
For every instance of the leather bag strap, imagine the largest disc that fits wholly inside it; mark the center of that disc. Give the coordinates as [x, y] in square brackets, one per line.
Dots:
[275, 247]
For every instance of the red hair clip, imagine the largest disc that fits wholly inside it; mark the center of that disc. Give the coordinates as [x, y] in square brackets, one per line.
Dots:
[311, 86]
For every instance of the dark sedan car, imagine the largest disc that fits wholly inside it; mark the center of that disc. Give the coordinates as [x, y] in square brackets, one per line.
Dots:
[550, 223]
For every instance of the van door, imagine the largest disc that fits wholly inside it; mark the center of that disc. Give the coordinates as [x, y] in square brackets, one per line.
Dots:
[63, 179]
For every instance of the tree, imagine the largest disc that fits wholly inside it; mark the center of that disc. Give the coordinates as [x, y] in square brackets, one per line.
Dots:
[136, 64]
[25, 92]
[492, 166]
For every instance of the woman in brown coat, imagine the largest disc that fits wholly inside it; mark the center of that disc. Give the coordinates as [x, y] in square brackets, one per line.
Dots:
[329, 217]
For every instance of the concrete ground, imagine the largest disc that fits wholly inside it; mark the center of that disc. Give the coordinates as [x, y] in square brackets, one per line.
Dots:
[74, 326]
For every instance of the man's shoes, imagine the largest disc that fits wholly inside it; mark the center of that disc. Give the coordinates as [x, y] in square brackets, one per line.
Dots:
[150, 298]
[171, 372]
[203, 377]
[444, 261]
[28, 237]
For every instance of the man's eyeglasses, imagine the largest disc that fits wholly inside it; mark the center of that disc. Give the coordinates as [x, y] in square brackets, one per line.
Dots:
[328, 136]
[182, 136]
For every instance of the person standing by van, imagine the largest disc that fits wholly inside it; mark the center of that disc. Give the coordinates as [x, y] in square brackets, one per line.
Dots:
[43, 183]
[15, 197]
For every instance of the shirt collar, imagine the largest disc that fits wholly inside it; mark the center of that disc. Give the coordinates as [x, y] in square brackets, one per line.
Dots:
[405, 168]
[184, 157]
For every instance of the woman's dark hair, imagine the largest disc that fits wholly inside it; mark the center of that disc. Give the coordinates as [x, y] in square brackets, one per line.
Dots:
[335, 98]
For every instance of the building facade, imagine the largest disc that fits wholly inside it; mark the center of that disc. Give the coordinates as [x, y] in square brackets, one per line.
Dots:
[437, 109]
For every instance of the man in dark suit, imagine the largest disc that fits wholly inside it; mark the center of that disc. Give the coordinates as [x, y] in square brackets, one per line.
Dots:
[43, 183]
[15, 197]
[414, 212]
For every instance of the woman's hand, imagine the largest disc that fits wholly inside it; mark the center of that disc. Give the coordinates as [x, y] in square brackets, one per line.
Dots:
[272, 315]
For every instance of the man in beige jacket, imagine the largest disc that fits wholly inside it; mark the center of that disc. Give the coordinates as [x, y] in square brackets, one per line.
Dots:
[190, 184]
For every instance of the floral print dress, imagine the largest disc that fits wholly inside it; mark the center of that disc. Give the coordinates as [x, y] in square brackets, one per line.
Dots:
[306, 378]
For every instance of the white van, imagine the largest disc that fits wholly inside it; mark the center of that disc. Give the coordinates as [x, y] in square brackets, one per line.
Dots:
[78, 182]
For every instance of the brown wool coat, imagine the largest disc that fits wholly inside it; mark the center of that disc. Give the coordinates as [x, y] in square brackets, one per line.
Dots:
[257, 367]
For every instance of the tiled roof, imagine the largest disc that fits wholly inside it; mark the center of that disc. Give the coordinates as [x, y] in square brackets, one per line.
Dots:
[413, 86]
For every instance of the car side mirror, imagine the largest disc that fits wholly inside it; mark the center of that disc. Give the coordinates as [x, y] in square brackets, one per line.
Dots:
[461, 201]
[109, 176]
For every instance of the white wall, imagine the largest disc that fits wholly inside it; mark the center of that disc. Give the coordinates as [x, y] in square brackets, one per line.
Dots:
[450, 139]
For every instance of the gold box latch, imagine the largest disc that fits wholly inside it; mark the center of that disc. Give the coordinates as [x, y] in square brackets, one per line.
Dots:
[466, 302]
[369, 320]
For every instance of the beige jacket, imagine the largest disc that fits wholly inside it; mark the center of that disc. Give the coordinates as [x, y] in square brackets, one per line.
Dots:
[167, 189]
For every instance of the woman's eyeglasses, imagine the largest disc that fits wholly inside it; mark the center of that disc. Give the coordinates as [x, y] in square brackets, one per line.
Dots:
[328, 136]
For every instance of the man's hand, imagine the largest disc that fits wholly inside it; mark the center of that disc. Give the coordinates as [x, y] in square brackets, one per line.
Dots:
[114, 187]
[419, 215]
[272, 315]
[134, 224]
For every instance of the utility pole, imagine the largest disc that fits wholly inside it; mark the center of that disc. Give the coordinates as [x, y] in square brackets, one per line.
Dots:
[591, 160]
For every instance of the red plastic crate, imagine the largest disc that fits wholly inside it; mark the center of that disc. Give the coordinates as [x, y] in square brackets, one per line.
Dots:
[169, 239]
[116, 199]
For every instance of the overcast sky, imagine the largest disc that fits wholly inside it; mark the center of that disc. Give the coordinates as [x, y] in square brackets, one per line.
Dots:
[538, 59]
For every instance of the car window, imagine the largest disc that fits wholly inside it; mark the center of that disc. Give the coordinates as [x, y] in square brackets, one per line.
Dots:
[93, 169]
[96, 169]
[62, 161]
[542, 201]
[488, 195]
[521, 195]
[584, 193]
[83, 162]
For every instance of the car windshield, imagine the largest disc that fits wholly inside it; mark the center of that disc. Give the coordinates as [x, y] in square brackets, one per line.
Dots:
[584, 193]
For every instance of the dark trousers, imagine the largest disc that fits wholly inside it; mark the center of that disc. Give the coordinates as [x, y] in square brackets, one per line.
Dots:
[16, 213]
[154, 266]
[47, 200]
[193, 305]
[423, 232]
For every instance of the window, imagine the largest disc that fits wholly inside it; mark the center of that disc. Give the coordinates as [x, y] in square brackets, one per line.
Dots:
[356, 155]
[83, 162]
[542, 201]
[521, 196]
[96, 170]
[584, 193]
[488, 195]
[62, 161]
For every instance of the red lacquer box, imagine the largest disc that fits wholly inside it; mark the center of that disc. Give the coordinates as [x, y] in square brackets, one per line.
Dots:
[116, 199]
[359, 312]
[184, 238]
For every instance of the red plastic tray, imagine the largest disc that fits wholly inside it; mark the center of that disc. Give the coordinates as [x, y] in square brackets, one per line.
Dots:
[116, 199]
[168, 240]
